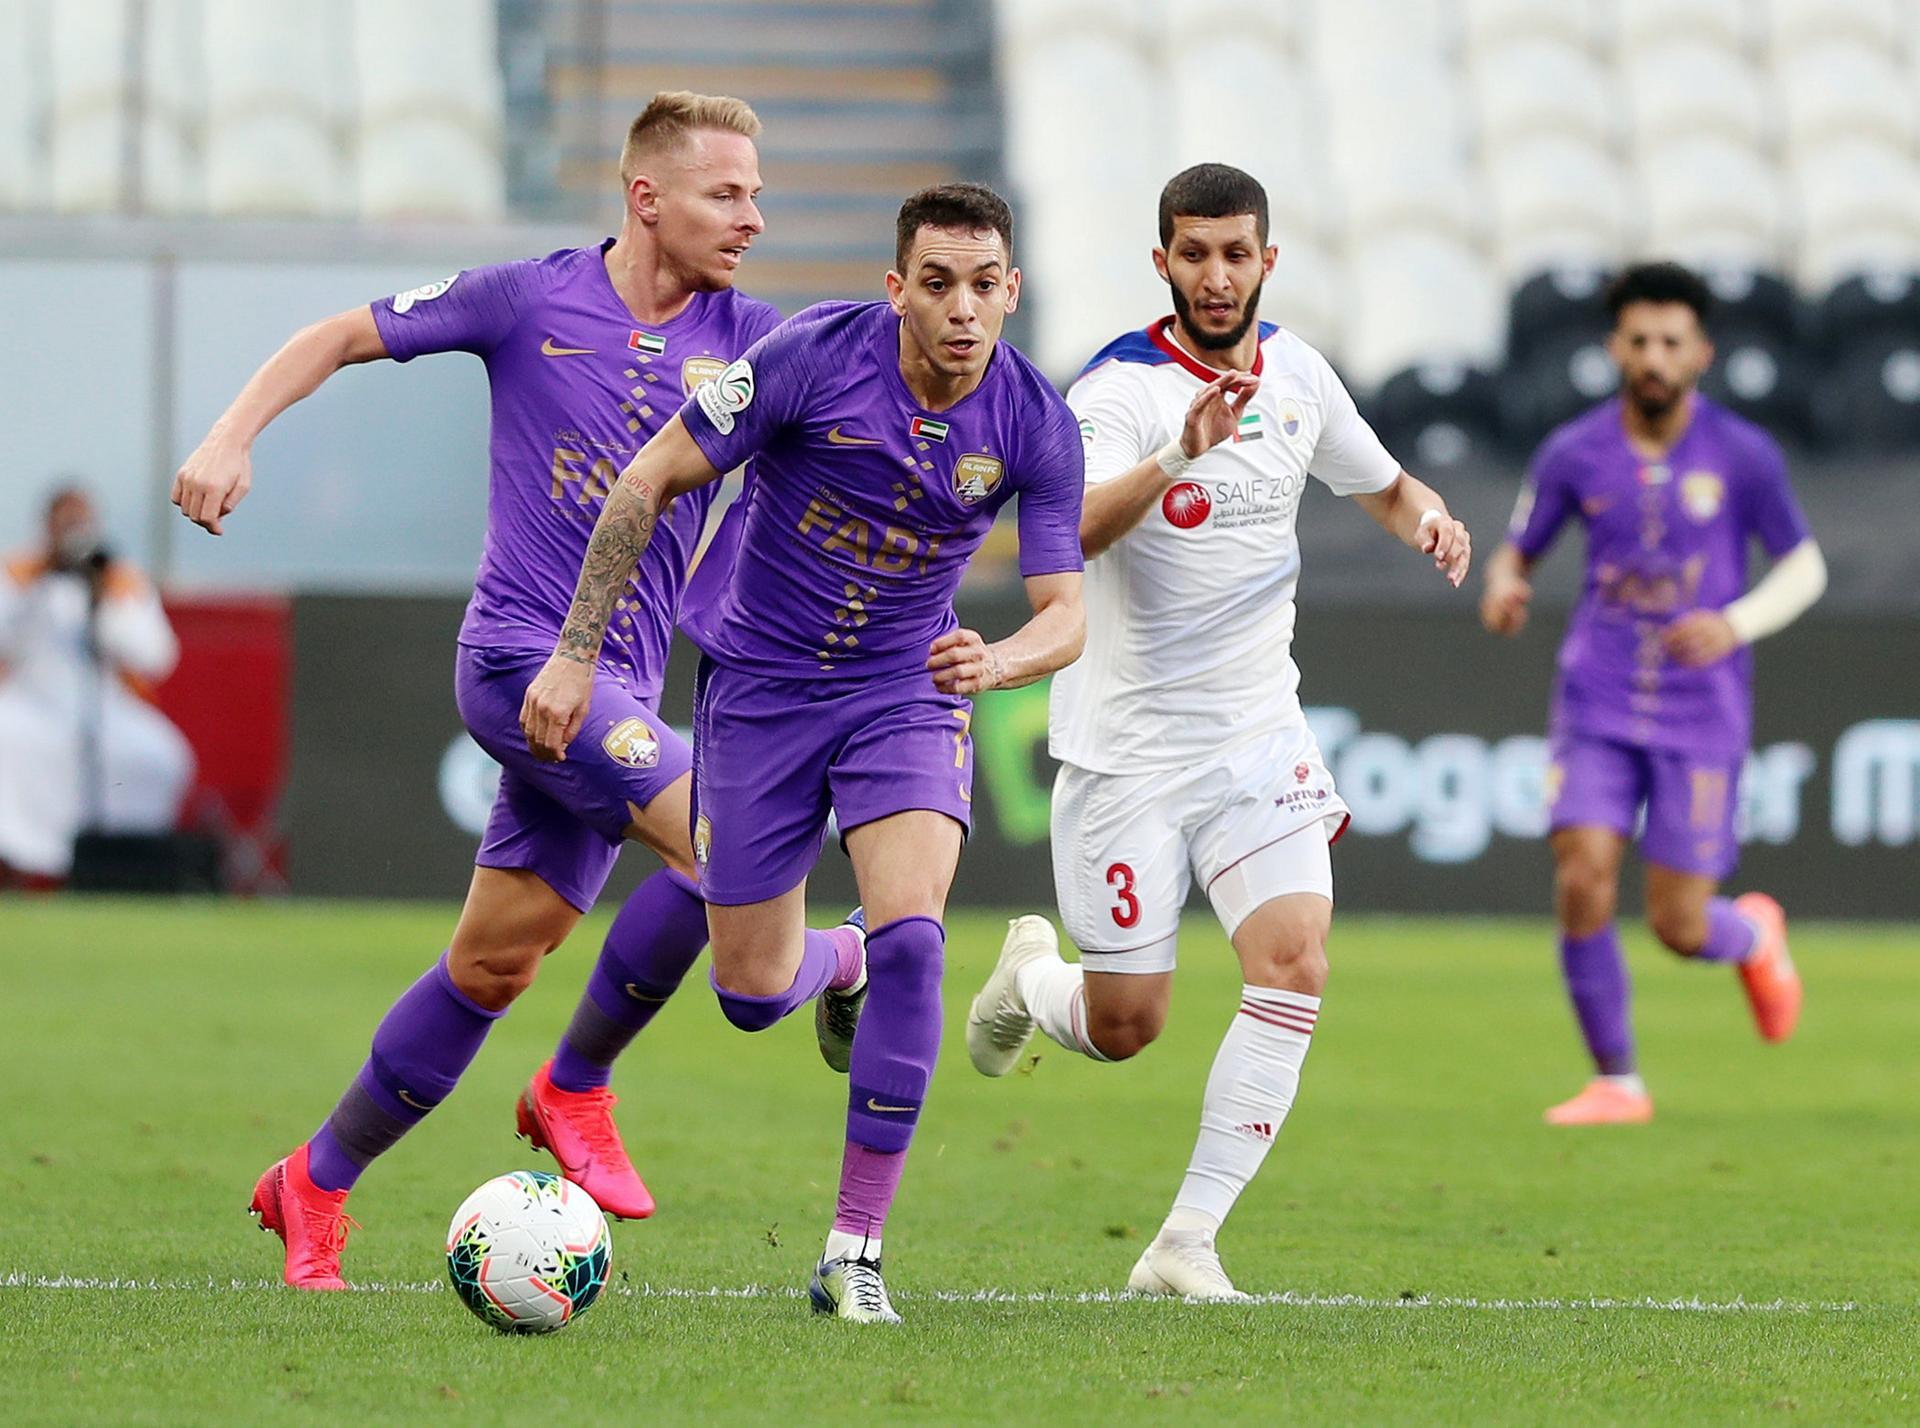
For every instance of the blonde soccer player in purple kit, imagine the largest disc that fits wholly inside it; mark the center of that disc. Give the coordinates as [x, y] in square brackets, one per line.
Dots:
[589, 351]
[885, 435]
[1652, 708]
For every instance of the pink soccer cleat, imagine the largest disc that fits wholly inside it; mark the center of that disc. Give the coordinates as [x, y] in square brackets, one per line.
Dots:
[1603, 1103]
[313, 1222]
[1772, 982]
[576, 1128]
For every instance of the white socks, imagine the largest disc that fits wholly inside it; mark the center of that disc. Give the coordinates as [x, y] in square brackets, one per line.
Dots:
[1056, 996]
[1249, 1093]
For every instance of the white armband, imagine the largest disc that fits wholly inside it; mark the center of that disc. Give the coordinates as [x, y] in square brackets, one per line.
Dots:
[1173, 460]
[1782, 596]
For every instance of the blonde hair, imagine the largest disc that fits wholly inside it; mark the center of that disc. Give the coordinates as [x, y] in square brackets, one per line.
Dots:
[674, 115]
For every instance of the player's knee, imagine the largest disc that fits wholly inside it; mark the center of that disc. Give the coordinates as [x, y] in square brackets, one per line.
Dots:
[495, 977]
[747, 1011]
[1681, 928]
[1121, 1033]
[1297, 963]
[1583, 895]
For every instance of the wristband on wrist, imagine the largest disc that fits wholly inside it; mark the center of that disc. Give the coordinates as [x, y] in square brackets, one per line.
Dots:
[1173, 460]
[1428, 518]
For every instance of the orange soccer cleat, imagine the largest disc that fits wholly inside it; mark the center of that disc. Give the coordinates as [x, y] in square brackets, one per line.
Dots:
[313, 1222]
[576, 1128]
[1773, 984]
[1603, 1103]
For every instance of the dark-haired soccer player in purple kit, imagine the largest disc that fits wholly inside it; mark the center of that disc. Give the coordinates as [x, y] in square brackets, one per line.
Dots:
[1653, 707]
[589, 352]
[884, 436]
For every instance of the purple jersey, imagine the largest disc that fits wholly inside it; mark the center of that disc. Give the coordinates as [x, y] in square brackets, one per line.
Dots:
[865, 506]
[1663, 538]
[578, 387]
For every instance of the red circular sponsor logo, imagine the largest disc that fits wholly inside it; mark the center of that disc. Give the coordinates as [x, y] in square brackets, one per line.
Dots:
[1186, 505]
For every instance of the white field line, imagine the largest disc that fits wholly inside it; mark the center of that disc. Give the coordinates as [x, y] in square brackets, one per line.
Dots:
[1687, 1304]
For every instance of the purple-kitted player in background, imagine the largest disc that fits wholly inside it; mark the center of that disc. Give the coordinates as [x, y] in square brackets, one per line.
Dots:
[1653, 707]
[589, 352]
[884, 437]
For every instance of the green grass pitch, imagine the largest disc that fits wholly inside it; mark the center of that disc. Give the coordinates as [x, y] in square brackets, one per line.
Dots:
[1748, 1257]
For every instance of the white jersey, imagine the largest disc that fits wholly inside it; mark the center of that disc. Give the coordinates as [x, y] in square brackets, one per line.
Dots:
[1190, 614]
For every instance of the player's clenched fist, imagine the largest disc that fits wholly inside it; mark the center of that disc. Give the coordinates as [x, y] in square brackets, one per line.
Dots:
[212, 482]
[1503, 605]
[963, 663]
[1699, 638]
[1447, 541]
[556, 706]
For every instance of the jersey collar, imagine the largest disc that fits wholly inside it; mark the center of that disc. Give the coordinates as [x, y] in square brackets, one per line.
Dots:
[1161, 335]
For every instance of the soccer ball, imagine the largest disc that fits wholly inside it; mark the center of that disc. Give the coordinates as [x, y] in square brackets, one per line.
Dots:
[528, 1252]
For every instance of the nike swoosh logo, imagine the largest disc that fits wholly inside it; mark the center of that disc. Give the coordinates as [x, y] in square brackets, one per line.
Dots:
[834, 438]
[634, 991]
[407, 1096]
[547, 349]
[874, 1105]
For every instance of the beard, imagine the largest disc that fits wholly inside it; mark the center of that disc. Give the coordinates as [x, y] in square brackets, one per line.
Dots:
[1211, 341]
[1656, 405]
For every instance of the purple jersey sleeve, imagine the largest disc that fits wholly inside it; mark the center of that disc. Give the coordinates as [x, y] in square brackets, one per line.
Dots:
[1546, 500]
[737, 414]
[471, 311]
[1051, 490]
[1768, 507]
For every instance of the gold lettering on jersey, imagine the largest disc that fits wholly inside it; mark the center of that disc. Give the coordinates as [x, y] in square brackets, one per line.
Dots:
[975, 476]
[594, 482]
[852, 537]
[897, 550]
[696, 370]
[836, 532]
[819, 515]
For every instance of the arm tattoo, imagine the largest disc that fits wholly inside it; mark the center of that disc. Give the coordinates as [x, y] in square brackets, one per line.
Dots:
[619, 539]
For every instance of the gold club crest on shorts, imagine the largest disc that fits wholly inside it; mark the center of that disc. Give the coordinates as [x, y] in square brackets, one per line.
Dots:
[975, 476]
[696, 370]
[632, 743]
[702, 839]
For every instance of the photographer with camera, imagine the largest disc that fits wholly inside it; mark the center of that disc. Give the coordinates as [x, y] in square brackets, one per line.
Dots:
[82, 638]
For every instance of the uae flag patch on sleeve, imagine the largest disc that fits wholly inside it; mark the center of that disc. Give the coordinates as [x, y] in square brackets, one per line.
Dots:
[927, 430]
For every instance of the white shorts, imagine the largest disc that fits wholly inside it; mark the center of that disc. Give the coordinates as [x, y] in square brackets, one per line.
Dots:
[1251, 825]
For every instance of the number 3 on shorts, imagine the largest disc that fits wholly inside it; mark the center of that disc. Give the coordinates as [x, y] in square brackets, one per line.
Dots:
[1126, 908]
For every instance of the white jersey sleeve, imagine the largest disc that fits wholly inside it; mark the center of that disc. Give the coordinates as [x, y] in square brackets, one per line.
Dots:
[1348, 457]
[1120, 421]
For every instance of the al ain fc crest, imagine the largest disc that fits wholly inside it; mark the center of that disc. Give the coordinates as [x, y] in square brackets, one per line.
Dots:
[1702, 493]
[632, 743]
[976, 475]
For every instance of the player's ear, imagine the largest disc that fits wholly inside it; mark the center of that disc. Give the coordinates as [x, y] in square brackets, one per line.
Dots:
[896, 293]
[1013, 289]
[643, 199]
[1160, 264]
[1268, 258]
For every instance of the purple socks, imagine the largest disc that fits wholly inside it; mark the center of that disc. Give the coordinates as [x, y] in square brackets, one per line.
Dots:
[653, 941]
[1596, 975]
[1730, 937]
[868, 1180]
[827, 959]
[899, 1036]
[420, 1048]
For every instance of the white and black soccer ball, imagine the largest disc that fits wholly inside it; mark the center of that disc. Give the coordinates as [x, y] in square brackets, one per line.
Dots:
[529, 1252]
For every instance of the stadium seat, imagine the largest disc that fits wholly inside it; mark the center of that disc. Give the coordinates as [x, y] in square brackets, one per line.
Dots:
[1022, 22]
[1350, 33]
[1762, 377]
[87, 116]
[24, 53]
[172, 158]
[1275, 27]
[1869, 399]
[1305, 295]
[1825, 263]
[1554, 200]
[1540, 88]
[430, 110]
[1487, 26]
[1840, 90]
[1641, 25]
[1417, 298]
[1567, 373]
[1551, 307]
[1869, 306]
[1793, 26]
[1859, 207]
[1284, 151]
[1692, 89]
[1438, 415]
[1075, 123]
[1397, 145]
[272, 104]
[1754, 302]
[1711, 201]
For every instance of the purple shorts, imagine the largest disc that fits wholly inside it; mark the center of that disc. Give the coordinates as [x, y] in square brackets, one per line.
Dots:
[1690, 800]
[566, 821]
[773, 756]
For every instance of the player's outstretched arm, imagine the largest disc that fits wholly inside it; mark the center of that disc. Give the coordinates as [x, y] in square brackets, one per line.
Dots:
[1112, 508]
[1508, 592]
[963, 663]
[556, 702]
[220, 472]
[1413, 511]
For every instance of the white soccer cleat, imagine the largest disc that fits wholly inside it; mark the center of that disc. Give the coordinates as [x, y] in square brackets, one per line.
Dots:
[1186, 1267]
[849, 1288]
[999, 1026]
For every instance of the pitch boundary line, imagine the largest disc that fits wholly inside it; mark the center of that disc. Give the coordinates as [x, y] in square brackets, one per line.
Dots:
[1684, 1304]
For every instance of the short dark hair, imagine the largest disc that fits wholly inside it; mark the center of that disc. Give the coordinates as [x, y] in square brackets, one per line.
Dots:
[970, 206]
[1658, 282]
[1212, 191]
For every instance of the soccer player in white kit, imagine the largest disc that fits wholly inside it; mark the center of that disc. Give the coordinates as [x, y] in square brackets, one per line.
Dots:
[1183, 749]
